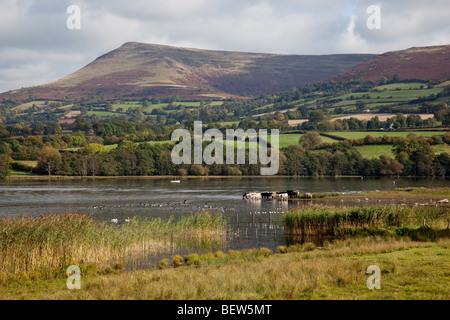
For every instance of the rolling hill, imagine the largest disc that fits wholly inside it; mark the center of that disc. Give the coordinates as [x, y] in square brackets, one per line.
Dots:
[425, 63]
[139, 70]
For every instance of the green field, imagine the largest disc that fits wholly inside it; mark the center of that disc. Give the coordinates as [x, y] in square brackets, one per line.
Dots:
[28, 105]
[405, 95]
[161, 142]
[403, 86]
[138, 104]
[15, 173]
[32, 164]
[114, 146]
[388, 95]
[103, 114]
[287, 140]
[376, 134]
[442, 148]
[126, 105]
[226, 123]
[376, 151]
[371, 152]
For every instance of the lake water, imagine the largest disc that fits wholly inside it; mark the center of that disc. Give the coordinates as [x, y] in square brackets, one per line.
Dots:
[258, 223]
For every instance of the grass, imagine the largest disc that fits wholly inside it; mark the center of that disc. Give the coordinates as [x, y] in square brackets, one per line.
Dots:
[32, 164]
[390, 96]
[332, 221]
[103, 114]
[114, 146]
[227, 123]
[403, 86]
[126, 105]
[161, 142]
[137, 104]
[15, 173]
[376, 134]
[440, 148]
[43, 246]
[397, 95]
[410, 270]
[406, 193]
[28, 105]
[424, 195]
[287, 140]
[375, 151]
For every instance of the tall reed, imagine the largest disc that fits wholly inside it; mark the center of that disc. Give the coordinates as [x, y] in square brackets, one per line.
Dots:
[28, 244]
[326, 220]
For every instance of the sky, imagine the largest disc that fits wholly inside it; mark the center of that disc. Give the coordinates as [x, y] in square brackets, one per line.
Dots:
[40, 41]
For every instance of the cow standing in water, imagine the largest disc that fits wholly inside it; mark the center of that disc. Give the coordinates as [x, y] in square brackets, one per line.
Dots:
[253, 196]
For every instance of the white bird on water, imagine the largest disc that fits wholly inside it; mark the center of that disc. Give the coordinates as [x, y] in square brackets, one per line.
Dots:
[114, 220]
[128, 220]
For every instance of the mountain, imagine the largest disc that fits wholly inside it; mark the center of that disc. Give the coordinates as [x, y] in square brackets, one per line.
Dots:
[425, 63]
[139, 70]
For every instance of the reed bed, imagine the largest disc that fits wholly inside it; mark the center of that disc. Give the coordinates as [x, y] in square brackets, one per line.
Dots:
[53, 242]
[336, 221]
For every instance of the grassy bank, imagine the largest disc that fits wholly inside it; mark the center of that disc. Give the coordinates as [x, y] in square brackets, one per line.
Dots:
[40, 247]
[419, 194]
[414, 262]
[410, 270]
[331, 221]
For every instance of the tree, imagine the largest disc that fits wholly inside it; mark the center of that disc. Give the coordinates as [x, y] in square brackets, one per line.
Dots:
[295, 161]
[316, 116]
[390, 167]
[5, 166]
[5, 148]
[360, 105]
[197, 170]
[447, 137]
[446, 119]
[338, 110]
[49, 160]
[82, 125]
[93, 148]
[396, 78]
[416, 155]
[310, 140]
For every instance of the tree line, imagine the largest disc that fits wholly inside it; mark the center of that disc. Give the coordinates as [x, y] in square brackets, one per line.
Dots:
[414, 156]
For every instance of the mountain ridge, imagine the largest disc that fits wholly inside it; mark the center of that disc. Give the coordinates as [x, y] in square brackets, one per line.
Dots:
[140, 70]
[424, 63]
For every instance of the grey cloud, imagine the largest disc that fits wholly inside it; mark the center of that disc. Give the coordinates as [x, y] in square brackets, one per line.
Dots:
[36, 47]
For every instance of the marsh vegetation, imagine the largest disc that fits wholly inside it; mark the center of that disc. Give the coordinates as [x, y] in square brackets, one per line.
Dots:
[321, 220]
[42, 247]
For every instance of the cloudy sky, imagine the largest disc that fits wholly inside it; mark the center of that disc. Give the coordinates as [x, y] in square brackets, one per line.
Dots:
[37, 47]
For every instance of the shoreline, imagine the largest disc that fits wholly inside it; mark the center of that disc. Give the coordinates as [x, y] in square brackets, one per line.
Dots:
[44, 177]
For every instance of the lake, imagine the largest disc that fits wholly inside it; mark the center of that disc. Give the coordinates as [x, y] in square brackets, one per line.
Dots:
[255, 224]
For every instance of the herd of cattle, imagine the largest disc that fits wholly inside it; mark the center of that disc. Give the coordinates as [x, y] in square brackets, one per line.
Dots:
[283, 196]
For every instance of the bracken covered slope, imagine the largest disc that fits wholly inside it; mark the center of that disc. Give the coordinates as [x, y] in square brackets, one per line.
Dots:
[139, 70]
[425, 63]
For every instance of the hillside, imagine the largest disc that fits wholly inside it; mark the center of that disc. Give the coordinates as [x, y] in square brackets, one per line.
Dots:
[137, 70]
[426, 63]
